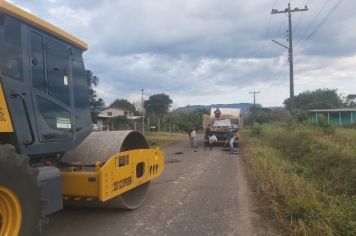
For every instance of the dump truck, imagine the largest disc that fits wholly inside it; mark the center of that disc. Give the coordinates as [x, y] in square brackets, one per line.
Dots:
[49, 155]
[229, 120]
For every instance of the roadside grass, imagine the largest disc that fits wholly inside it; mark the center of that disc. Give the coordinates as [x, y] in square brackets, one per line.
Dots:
[163, 139]
[305, 176]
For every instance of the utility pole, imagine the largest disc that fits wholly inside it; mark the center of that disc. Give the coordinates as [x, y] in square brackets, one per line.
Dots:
[143, 113]
[254, 97]
[289, 11]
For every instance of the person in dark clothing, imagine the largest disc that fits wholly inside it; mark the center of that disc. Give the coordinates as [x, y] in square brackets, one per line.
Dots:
[217, 113]
[190, 137]
[208, 134]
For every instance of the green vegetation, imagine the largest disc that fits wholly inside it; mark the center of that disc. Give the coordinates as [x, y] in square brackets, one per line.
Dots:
[164, 139]
[317, 99]
[306, 176]
[186, 121]
[96, 103]
[157, 107]
[264, 115]
[119, 123]
[158, 104]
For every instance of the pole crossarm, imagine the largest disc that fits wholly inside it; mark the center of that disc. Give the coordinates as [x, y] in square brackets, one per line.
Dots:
[280, 44]
[287, 10]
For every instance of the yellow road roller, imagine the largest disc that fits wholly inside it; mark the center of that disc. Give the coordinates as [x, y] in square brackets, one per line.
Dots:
[49, 155]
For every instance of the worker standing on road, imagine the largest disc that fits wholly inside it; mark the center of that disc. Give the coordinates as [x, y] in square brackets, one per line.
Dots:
[231, 138]
[208, 135]
[190, 137]
[193, 138]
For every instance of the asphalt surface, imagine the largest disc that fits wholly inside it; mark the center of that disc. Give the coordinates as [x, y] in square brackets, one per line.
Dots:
[201, 192]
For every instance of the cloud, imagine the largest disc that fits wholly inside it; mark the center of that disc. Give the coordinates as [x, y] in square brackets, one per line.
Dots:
[185, 77]
[207, 51]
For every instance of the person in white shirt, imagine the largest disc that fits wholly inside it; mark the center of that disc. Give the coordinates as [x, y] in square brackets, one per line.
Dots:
[193, 137]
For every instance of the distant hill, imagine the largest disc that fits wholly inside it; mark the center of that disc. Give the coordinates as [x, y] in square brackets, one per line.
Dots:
[244, 107]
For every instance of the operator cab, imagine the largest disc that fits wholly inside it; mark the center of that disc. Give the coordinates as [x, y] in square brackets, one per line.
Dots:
[43, 79]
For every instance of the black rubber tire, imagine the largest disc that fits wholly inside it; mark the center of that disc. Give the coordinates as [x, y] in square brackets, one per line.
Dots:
[17, 175]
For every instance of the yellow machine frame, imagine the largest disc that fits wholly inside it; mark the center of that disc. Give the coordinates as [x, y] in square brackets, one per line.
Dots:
[5, 120]
[118, 175]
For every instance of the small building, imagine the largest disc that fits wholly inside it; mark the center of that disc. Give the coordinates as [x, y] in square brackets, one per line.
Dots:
[112, 112]
[337, 117]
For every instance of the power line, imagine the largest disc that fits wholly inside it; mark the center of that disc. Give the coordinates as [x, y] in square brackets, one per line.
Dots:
[322, 22]
[312, 22]
[259, 50]
[299, 18]
[269, 21]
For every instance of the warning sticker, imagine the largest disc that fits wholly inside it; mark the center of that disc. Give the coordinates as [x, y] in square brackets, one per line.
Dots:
[63, 123]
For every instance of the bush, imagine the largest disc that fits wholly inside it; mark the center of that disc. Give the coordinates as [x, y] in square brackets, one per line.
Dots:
[255, 130]
[325, 126]
[119, 123]
[301, 116]
[307, 177]
[264, 115]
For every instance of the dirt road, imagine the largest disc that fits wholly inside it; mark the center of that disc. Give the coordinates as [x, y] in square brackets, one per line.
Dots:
[201, 192]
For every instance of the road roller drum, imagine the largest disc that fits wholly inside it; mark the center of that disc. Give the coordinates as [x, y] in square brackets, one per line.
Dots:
[111, 169]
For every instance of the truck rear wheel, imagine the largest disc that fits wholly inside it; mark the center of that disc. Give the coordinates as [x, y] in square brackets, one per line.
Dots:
[20, 196]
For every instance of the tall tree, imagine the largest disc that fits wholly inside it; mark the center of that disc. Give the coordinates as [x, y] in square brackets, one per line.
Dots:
[186, 121]
[158, 104]
[350, 100]
[317, 99]
[123, 103]
[96, 103]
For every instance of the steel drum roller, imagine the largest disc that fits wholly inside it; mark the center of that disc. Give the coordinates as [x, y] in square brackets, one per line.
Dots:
[100, 146]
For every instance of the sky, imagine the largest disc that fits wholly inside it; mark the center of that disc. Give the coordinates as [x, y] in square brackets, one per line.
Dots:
[209, 51]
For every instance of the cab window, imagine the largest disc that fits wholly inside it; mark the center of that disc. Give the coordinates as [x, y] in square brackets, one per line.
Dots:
[11, 48]
[57, 70]
[37, 63]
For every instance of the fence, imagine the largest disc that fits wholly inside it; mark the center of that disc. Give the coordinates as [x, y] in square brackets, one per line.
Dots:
[145, 125]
